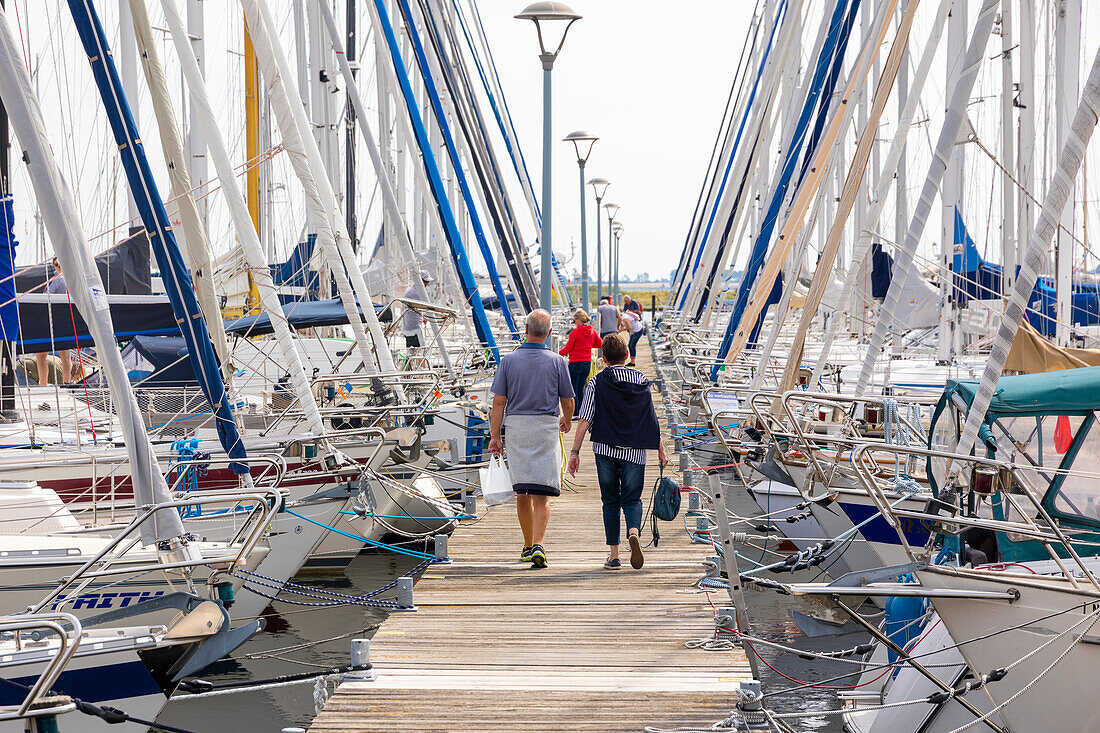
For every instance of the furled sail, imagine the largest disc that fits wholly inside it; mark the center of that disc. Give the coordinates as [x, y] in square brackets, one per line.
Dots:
[62, 222]
[177, 280]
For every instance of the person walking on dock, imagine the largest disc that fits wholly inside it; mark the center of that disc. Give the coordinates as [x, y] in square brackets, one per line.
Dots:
[578, 349]
[633, 328]
[609, 317]
[530, 386]
[618, 406]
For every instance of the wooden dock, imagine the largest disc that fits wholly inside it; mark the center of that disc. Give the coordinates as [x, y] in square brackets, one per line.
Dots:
[499, 646]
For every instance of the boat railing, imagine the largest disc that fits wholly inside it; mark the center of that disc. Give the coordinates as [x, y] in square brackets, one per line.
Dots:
[260, 506]
[423, 383]
[68, 631]
[971, 477]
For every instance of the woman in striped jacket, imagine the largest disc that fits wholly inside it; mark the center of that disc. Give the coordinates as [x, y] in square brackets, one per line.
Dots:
[618, 407]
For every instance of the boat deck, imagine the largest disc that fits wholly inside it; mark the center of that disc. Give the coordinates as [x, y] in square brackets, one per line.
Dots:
[499, 646]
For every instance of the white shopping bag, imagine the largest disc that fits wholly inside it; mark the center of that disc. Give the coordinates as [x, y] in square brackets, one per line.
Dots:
[496, 482]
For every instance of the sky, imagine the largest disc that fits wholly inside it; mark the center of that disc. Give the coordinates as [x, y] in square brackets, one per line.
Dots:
[651, 80]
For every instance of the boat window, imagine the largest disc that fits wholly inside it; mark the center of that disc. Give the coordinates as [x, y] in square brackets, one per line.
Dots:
[1035, 444]
[1077, 494]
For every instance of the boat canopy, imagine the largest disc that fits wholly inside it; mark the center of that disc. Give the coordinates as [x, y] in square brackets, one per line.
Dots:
[1063, 392]
[300, 314]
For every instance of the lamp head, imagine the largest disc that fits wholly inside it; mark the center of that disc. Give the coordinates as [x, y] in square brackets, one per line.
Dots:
[582, 143]
[554, 18]
[599, 186]
[612, 210]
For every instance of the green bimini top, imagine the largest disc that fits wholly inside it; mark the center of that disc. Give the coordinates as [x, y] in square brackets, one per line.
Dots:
[1064, 392]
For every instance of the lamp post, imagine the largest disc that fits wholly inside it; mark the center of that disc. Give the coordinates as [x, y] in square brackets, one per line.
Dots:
[618, 229]
[612, 211]
[599, 186]
[582, 143]
[553, 17]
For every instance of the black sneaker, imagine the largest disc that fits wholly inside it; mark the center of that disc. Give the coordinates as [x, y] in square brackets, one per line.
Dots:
[525, 554]
[612, 564]
[538, 556]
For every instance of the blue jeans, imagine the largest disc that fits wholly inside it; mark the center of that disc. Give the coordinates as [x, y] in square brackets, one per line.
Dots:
[621, 490]
[633, 345]
[578, 377]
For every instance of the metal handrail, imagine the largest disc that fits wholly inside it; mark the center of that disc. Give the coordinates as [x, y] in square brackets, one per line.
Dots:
[247, 540]
[68, 631]
[1051, 531]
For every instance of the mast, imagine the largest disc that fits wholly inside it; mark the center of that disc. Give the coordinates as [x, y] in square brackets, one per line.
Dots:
[351, 43]
[1025, 160]
[1067, 54]
[252, 154]
[952, 187]
[127, 61]
[1008, 129]
[196, 142]
[62, 221]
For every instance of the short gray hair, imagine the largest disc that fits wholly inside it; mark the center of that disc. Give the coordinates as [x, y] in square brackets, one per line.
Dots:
[538, 323]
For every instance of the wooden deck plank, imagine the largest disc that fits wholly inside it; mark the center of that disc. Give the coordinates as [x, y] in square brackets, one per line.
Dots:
[498, 646]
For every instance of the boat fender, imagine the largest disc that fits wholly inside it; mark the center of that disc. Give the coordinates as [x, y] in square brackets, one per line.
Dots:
[903, 621]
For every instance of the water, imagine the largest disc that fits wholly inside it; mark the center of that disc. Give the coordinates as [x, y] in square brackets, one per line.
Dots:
[266, 655]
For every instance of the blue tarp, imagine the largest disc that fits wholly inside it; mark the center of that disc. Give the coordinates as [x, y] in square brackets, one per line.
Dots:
[168, 357]
[50, 323]
[9, 308]
[977, 279]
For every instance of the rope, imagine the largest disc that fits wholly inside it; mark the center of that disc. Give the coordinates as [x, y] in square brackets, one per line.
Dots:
[367, 540]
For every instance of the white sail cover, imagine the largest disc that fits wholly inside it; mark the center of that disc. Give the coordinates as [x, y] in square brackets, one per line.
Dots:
[253, 251]
[918, 304]
[949, 134]
[62, 222]
[196, 249]
[305, 158]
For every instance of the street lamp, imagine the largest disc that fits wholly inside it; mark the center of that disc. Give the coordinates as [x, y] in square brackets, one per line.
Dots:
[618, 229]
[554, 18]
[612, 210]
[599, 186]
[582, 143]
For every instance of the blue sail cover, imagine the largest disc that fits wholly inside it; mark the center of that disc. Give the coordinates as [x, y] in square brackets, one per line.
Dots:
[821, 86]
[9, 307]
[302, 314]
[173, 270]
[456, 160]
[701, 243]
[296, 273]
[978, 279]
[439, 192]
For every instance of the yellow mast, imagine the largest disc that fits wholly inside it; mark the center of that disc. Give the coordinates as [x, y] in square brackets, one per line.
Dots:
[252, 152]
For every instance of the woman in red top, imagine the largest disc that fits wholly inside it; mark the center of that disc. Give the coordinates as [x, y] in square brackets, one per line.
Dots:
[582, 339]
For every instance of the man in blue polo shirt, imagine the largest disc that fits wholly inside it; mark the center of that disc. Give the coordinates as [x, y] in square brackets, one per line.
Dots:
[530, 386]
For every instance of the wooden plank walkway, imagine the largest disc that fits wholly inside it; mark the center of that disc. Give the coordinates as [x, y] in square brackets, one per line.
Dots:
[499, 646]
